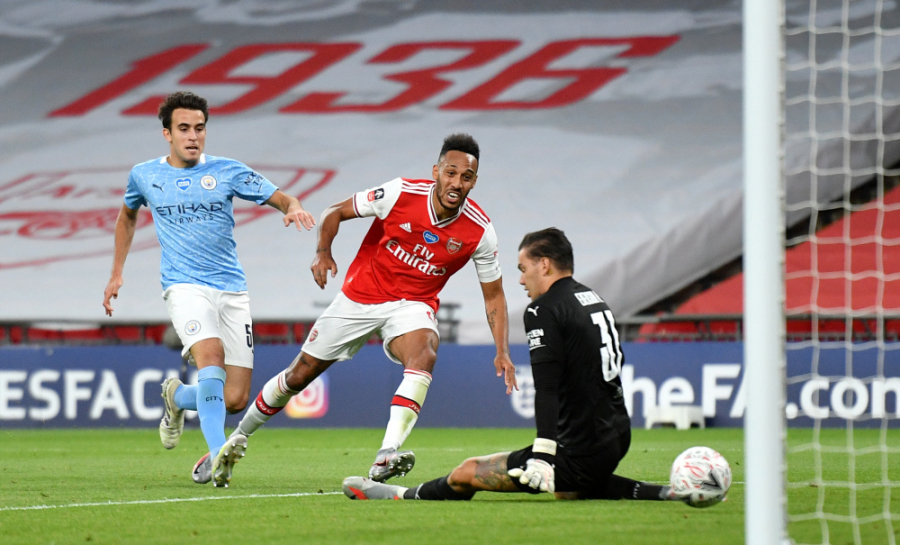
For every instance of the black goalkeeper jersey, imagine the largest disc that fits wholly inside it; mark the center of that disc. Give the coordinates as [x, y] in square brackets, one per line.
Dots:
[576, 360]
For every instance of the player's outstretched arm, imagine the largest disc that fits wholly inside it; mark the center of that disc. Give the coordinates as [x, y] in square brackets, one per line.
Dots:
[292, 209]
[498, 320]
[125, 226]
[328, 228]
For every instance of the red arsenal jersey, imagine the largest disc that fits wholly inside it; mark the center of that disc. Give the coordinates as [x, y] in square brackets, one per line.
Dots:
[408, 253]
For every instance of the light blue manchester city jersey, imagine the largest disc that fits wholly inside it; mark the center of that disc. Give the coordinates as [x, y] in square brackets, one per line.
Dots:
[192, 211]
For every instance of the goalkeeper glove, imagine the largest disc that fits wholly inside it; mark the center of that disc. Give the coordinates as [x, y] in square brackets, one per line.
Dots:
[537, 474]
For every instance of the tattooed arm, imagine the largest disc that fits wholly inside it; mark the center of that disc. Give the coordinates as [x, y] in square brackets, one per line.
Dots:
[498, 320]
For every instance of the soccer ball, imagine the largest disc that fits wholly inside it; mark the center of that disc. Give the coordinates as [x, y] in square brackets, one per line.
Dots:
[700, 477]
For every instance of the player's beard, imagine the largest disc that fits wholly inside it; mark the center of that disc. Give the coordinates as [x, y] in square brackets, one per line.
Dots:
[454, 209]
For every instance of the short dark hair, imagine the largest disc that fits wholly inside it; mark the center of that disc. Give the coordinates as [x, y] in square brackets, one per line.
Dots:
[460, 142]
[181, 99]
[552, 244]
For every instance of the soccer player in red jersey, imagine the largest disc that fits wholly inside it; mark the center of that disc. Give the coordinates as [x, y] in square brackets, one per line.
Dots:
[424, 231]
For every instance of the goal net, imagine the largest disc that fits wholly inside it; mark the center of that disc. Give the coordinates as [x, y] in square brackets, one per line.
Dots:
[841, 145]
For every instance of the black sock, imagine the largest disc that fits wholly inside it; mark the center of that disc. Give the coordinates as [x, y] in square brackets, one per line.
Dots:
[619, 488]
[438, 489]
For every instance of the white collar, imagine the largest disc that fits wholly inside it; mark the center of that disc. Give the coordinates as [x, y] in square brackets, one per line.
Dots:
[164, 159]
[434, 217]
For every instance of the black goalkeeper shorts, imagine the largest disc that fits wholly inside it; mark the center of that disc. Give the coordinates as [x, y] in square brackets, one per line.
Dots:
[578, 473]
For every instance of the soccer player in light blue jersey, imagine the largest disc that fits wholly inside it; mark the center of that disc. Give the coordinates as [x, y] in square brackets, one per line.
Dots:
[190, 196]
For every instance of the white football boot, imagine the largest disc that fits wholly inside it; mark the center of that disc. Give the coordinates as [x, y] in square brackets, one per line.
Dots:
[202, 472]
[390, 463]
[230, 454]
[360, 488]
[172, 424]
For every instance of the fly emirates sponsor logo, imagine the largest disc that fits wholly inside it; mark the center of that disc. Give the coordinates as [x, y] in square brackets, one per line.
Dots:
[418, 259]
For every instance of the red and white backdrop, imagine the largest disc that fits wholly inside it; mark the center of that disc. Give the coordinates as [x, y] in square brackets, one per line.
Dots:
[619, 122]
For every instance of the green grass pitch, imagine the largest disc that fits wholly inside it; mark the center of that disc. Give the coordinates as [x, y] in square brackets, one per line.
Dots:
[121, 486]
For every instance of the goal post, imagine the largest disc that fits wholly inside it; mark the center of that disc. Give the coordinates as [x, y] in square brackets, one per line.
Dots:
[764, 322]
[821, 271]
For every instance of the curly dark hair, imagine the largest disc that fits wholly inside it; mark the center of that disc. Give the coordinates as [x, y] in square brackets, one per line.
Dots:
[552, 244]
[181, 99]
[460, 142]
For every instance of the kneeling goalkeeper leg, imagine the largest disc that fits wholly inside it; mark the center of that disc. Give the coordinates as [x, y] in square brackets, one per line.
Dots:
[623, 488]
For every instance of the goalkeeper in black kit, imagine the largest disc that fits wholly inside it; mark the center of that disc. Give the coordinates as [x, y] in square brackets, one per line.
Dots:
[583, 429]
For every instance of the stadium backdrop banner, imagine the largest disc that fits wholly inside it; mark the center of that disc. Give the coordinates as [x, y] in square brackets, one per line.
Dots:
[597, 97]
[115, 386]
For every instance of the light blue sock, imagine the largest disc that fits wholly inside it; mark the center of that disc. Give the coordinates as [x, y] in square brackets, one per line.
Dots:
[211, 407]
[186, 397]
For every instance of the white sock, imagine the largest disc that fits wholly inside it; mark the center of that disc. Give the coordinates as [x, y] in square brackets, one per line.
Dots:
[271, 399]
[405, 407]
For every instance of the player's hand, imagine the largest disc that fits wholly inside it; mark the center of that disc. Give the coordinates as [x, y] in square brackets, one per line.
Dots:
[111, 292]
[298, 216]
[505, 367]
[537, 474]
[321, 265]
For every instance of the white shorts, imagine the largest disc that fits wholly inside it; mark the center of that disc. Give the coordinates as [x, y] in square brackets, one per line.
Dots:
[346, 325]
[199, 313]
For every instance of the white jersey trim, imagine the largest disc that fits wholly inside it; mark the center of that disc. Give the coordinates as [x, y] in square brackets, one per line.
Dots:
[487, 256]
[478, 218]
[382, 205]
[421, 189]
[165, 159]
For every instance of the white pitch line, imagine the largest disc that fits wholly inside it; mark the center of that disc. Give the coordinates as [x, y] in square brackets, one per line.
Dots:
[180, 500]
[172, 500]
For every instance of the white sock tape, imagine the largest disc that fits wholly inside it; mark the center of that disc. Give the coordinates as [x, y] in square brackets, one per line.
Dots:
[545, 446]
